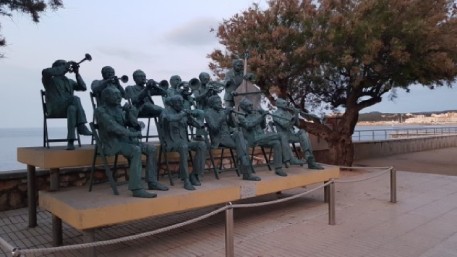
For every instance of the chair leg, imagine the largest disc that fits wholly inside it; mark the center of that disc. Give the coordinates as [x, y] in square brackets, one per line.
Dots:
[159, 163]
[266, 158]
[147, 130]
[109, 174]
[78, 137]
[168, 169]
[216, 173]
[44, 132]
[92, 170]
[115, 168]
[235, 164]
[46, 137]
[297, 153]
[221, 159]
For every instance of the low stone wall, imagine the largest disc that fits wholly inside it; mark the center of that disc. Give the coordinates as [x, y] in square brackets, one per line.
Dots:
[13, 185]
[374, 149]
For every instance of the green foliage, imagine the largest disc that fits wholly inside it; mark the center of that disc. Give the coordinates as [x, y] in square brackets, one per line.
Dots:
[344, 54]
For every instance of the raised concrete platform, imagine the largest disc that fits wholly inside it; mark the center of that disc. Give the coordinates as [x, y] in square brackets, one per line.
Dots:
[57, 156]
[54, 159]
[85, 210]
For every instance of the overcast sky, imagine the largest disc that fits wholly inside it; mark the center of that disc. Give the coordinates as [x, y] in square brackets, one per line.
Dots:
[163, 38]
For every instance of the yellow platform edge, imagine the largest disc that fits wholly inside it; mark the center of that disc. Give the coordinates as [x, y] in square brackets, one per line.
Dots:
[87, 210]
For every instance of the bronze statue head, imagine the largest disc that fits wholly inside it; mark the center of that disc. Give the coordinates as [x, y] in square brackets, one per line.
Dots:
[111, 96]
[108, 72]
[139, 77]
[176, 102]
[59, 63]
[215, 102]
[246, 105]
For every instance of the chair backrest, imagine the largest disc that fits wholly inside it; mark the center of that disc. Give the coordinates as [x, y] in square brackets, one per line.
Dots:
[160, 128]
[100, 151]
[43, 103]
[48, 115]
[93, 100]
[99, 147]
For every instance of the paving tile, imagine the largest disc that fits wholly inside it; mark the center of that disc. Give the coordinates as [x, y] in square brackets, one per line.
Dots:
[421, 224]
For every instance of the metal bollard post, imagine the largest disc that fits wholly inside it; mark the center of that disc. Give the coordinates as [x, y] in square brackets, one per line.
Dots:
[5, 245]
[393, 185]
[15, 252]
[89, 237]
[229, 245]
[331, 203]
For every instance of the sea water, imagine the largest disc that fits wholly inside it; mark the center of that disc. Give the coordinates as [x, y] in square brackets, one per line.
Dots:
[12, 138]
[383, 132]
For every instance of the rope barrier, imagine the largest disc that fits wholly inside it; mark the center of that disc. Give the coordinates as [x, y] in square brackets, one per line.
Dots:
[387, 169]
[157, 231]
[121, 239]
[18, 251]
[250, 205]
[362, 167]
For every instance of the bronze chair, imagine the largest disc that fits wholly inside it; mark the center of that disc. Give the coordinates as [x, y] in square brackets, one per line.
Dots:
[46, 116]
[93, 101]
[148, 129]
[221, 157]
[164, 150]
[100, 152]
[267, 158]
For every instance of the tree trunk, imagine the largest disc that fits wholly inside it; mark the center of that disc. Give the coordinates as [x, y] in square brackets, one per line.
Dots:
[341, 151]
[341, 148]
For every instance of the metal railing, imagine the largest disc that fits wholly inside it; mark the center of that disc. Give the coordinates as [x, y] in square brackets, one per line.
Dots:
[404, 132]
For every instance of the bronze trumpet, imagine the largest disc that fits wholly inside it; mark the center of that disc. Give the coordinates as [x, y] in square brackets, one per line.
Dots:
[194, 84]
[76, 64]
[161, 86]
[123, 78]
[187, 88]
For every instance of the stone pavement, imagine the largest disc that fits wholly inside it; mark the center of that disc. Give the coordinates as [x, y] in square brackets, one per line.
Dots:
[439, 161]
[421, 224]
